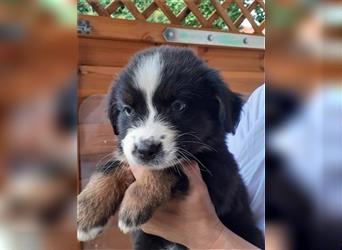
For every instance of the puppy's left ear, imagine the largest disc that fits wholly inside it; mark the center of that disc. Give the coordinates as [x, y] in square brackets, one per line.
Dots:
[230, 105]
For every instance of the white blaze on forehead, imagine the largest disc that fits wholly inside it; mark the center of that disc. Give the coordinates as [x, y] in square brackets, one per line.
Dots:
[147, 78]
[148, 73]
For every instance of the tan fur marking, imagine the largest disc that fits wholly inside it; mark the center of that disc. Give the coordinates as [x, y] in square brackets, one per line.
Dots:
[102, 196]
[144, 196]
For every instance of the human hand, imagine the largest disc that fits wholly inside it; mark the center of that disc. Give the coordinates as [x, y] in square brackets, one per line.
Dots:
[186, 220]
[192, 221]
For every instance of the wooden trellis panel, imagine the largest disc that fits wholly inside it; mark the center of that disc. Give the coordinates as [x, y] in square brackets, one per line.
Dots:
[191, 6]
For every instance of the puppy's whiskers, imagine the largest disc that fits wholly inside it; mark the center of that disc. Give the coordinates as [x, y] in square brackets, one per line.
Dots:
[186, 152]
[111, 157]
[198, 141]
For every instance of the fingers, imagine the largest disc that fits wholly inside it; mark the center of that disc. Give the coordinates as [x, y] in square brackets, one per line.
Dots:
[137, 171]
[193, 172]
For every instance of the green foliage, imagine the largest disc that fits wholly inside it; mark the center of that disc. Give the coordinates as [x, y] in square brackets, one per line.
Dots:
[259, 14]
[176, 6]
[84, 9]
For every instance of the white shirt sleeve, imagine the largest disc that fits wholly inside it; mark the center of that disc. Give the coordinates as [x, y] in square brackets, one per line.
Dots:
[248, 148]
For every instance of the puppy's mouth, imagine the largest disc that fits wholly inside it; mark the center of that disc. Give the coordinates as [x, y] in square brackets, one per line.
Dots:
[157, 158]
[151, 153]
[159, 161]
[156, 154]
[153, 158]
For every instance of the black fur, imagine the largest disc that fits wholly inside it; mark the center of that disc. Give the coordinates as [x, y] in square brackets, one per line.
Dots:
[212, 111]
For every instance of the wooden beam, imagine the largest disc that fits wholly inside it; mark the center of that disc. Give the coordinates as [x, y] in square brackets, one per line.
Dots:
[130, 30]
[108, 28]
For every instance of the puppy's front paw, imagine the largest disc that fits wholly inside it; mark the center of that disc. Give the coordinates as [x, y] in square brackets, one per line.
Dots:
[90, 234]
[131, 216]
[91, 218]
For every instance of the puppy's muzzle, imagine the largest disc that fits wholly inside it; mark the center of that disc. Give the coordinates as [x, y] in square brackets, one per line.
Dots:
[147, 150]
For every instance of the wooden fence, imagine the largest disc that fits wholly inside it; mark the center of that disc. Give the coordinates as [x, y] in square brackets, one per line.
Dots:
[191, 6]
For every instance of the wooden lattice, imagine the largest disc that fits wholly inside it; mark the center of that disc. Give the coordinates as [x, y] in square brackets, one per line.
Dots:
[191, 6]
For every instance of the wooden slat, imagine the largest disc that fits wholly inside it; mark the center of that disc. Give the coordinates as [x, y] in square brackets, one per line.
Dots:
[110, 71]
[134, 11]
[247, 14]
[221, 12]
[262, 4]
[95, 80]
[242, 17]
[262, 25]
[167, 12]
[116, 54]
[94, 84]
[93, 110]
[113, 6]
[106, 52]
[231, 54]
[149, 10]
[96, 138]
[233, 59]
[98, 8]
[186, 11]
[193, 7]
[108, 28]
[215, 14]
[243, 82]
[249, 65]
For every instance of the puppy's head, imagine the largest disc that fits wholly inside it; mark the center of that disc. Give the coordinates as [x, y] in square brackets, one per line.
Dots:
[167, 105]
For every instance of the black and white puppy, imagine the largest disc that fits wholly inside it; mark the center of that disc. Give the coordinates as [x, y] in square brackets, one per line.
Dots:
[167, 107]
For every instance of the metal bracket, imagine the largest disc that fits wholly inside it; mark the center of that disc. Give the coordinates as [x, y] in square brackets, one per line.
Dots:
[83, 27]
[178, 35]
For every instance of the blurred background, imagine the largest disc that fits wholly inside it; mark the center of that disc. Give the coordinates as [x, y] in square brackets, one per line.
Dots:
[304, 125]
[38, 148]
[38, 163]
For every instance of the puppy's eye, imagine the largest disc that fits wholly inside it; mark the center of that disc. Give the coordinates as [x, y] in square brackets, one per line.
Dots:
[178, 106]
[128, 110]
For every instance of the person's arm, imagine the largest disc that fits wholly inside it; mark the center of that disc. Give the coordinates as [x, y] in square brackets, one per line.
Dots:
[192, 221]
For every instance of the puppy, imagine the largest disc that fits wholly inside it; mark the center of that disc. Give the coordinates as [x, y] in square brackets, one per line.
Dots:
[167, 107]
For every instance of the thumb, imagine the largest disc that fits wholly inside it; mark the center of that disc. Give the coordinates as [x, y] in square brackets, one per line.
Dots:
[137, 171]
[193, 172]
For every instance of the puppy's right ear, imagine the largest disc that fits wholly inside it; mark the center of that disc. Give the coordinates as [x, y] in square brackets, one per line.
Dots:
[112, 110]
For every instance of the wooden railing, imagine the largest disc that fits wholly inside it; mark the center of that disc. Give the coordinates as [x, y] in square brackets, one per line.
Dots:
[247, 11]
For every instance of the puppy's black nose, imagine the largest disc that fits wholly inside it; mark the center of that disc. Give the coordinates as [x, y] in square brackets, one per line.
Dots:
[147, 149]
